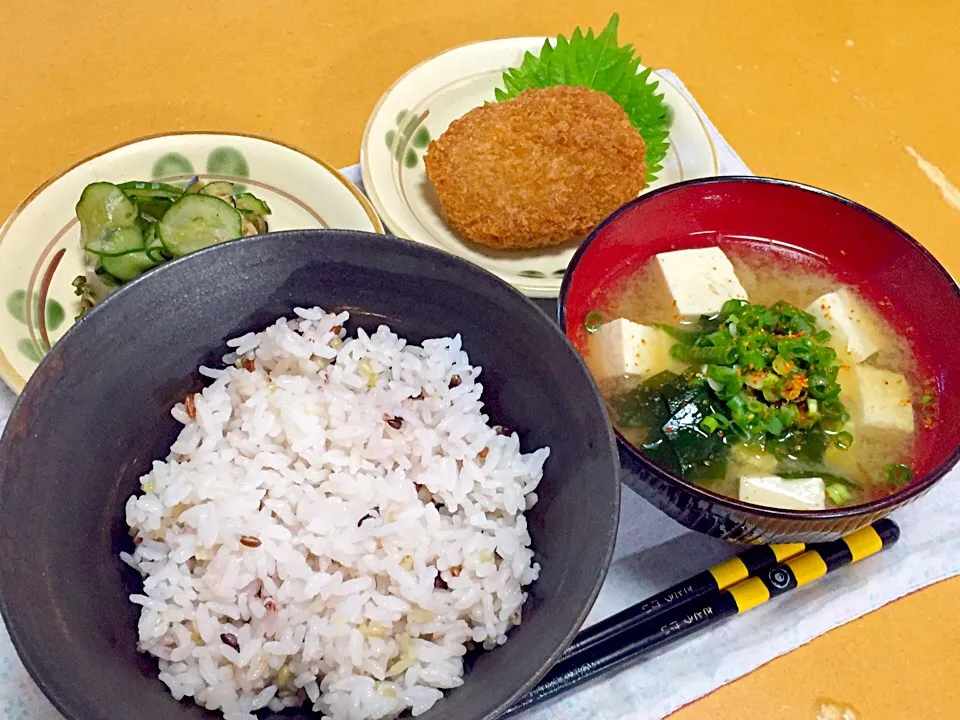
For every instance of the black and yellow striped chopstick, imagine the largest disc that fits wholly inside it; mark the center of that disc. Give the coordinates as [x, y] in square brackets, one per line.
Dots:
[820, 559]
[720, 577]
[618, 649]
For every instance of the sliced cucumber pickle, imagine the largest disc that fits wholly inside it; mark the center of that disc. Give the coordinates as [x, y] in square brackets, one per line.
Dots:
[254, 225]
[129, 265]
[115, 242]
[106, 278]
[140, 191]
[153, 246]
[247, 202]
[153, 210]
[152, 199]
[104, 206]
[198, 221]
[221, 189]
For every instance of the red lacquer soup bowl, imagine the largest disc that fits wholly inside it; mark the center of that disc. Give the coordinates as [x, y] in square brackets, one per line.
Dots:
[803, 224]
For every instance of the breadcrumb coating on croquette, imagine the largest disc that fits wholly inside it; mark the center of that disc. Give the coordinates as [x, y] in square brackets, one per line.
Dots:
[537, 170]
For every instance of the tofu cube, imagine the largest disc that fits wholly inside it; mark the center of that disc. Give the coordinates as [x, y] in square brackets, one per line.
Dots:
[774, 491]
[877, 399]
[700, 281]
[850, 327]
[622, 347]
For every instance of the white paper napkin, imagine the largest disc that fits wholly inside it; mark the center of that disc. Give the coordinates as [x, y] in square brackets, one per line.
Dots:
[652, 553]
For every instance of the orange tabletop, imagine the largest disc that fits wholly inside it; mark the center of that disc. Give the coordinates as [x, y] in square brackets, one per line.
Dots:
[859, 97]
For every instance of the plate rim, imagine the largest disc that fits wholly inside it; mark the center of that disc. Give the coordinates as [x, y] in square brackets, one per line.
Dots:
[395, 228]
[10, 376]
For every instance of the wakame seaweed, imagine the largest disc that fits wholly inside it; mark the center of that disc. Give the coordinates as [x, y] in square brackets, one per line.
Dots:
[643, 407]
[673, 413]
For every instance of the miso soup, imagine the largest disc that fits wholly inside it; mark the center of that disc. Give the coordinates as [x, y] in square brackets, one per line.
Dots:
[759, 377]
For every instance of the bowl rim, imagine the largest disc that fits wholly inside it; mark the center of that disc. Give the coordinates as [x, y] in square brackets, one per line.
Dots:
[885, 504]
[58, 694]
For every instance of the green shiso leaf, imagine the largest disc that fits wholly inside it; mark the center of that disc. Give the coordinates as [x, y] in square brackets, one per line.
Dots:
[598, 62]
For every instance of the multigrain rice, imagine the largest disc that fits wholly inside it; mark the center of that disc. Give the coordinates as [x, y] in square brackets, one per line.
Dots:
[335, 526]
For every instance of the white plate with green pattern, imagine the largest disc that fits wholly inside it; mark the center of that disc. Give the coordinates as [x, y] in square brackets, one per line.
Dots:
[40, 252]
[422, 104]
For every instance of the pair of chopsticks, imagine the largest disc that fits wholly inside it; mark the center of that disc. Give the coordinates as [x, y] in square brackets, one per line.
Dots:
[730, 588]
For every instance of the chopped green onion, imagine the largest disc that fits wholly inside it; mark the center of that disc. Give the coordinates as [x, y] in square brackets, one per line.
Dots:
[797, 349]
[752, 360]
[897, 474]
[782, 366]
[843, 440]
[755, 406]
[774, 426]
[821, 387]
[839, 493]
[833, 425]
[773, 374]
[768, 318]
[832, 407]
[720, 373]
[709, 424]
[728, 379]
[592, 321]
[732, 307]
[772, 389]
[722, 421]
[770, 394]
[818, 386]
[718, 339]
[737, 404]
[695, 355]
[789, 414]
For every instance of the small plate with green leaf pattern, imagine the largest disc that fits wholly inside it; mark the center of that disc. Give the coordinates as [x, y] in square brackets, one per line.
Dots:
[421, 105]
[40, 252]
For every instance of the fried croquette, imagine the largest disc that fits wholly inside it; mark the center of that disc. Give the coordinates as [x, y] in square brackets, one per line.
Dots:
[537, 170]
